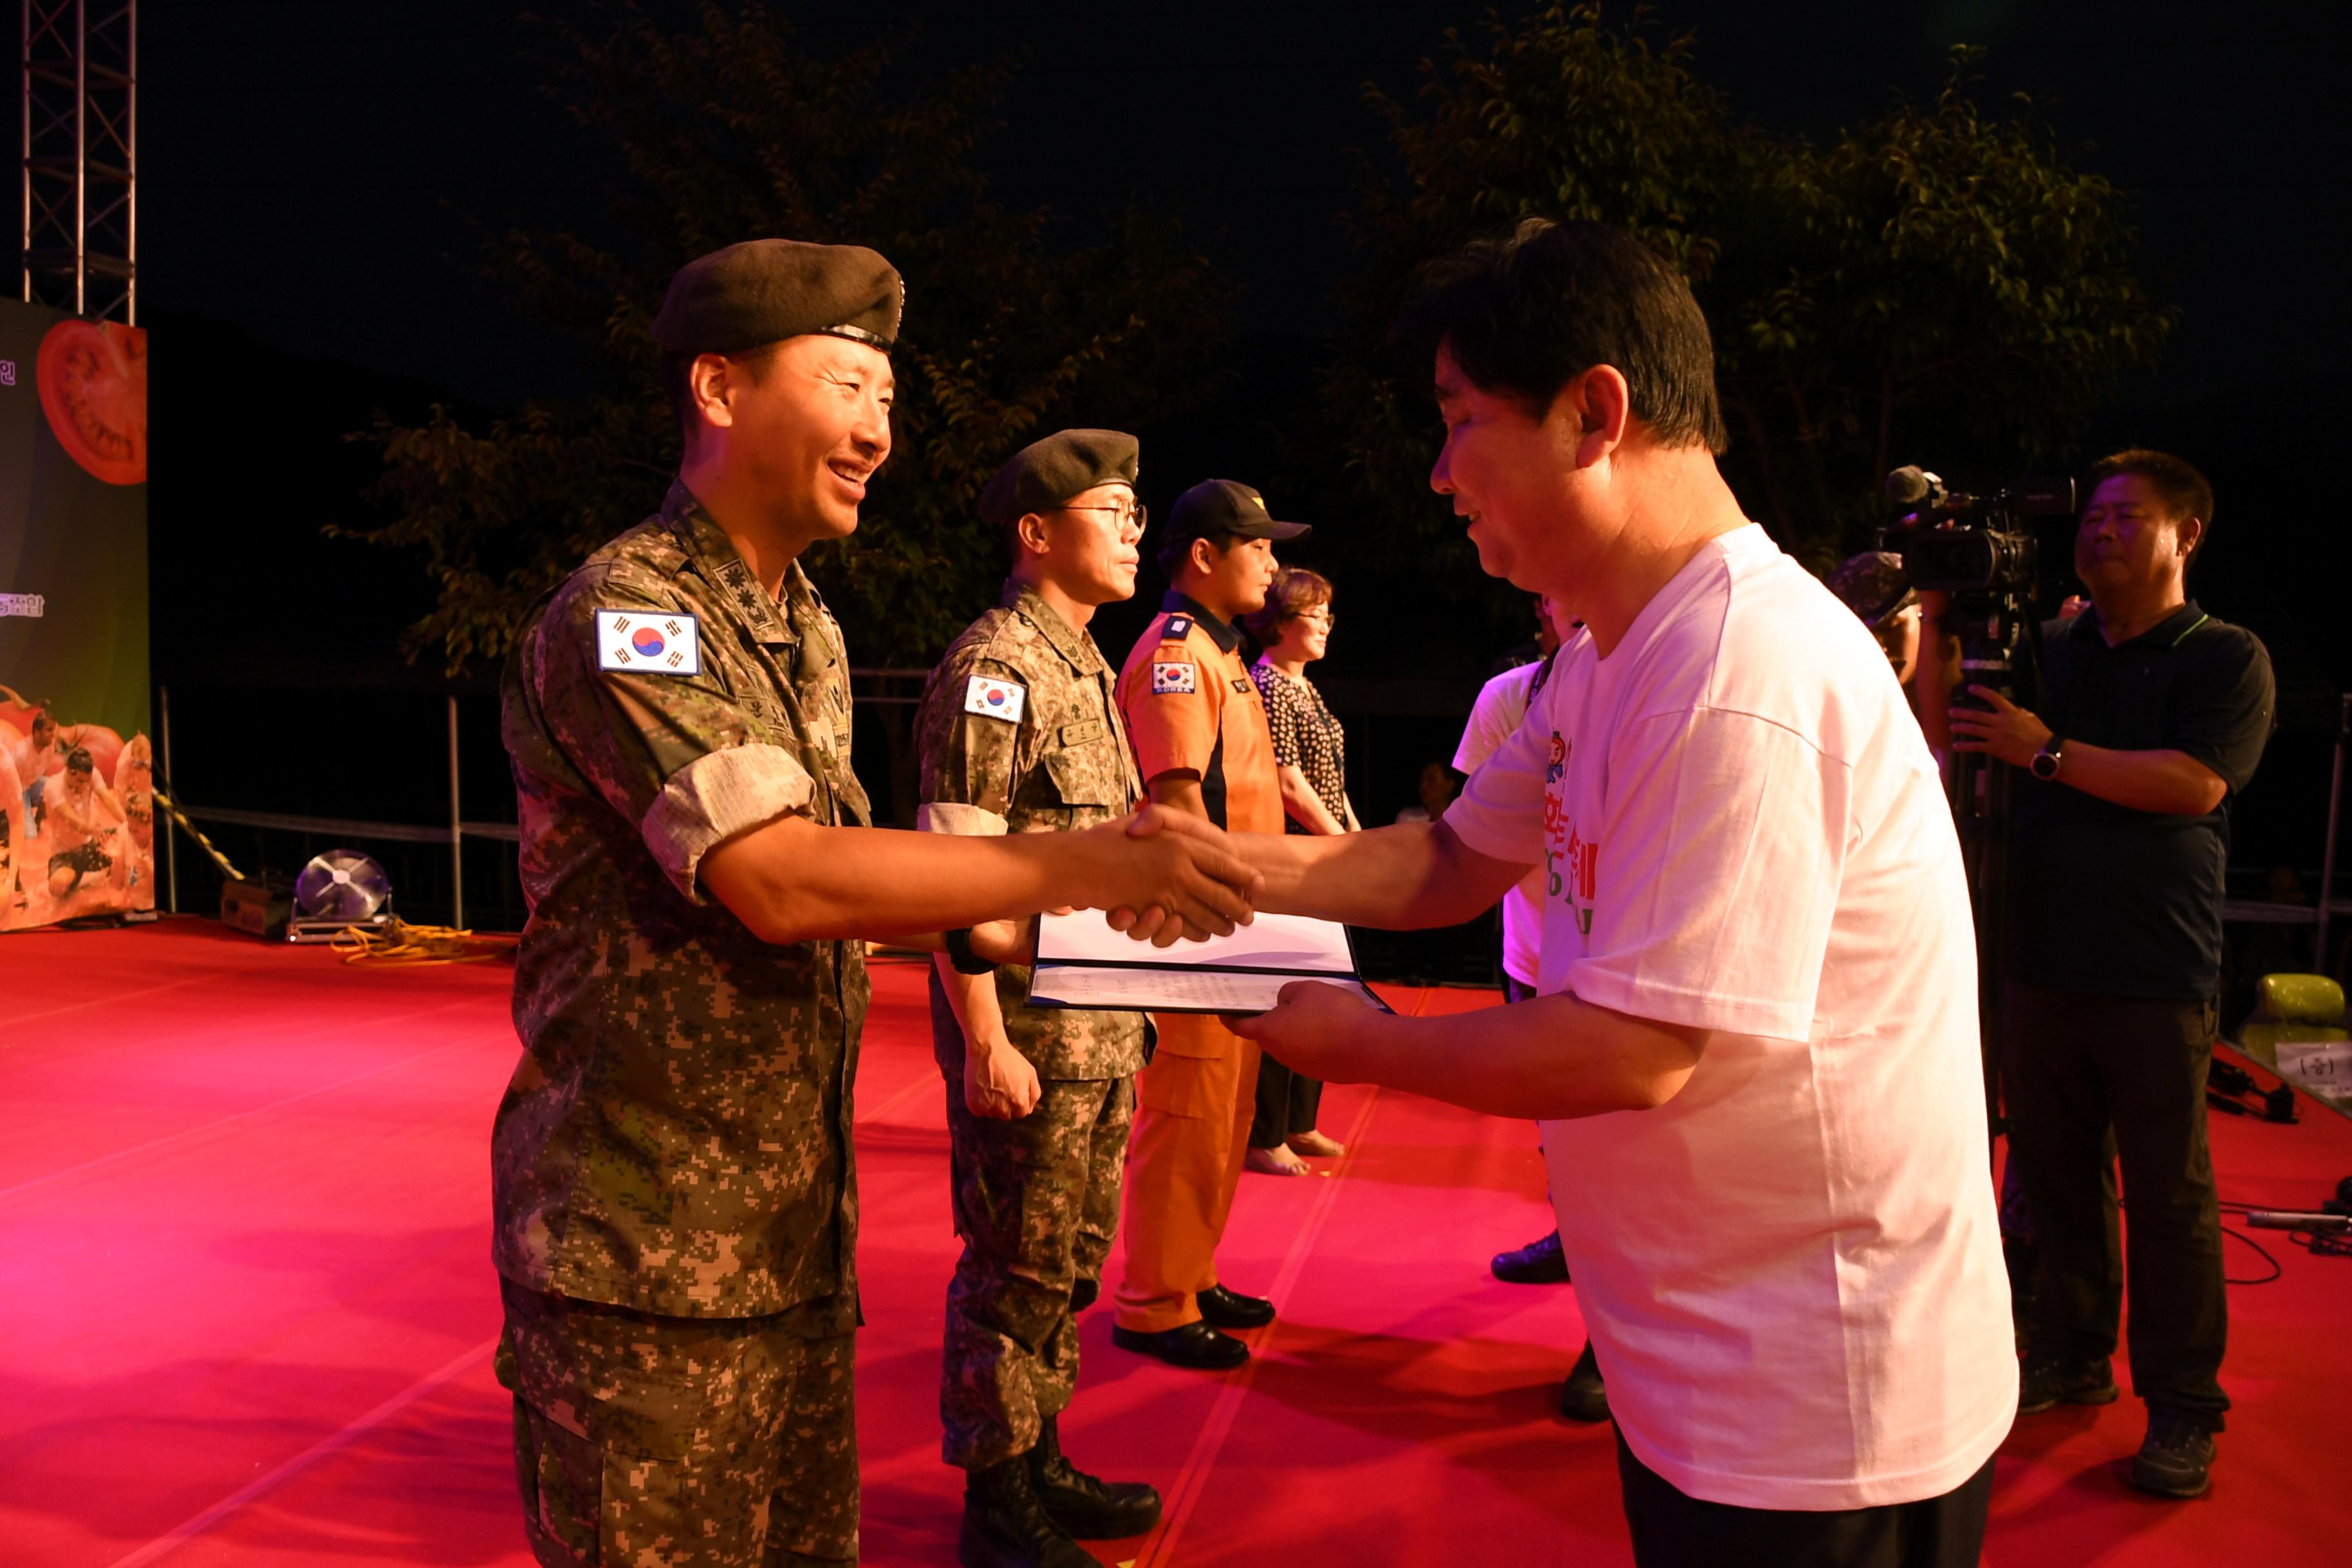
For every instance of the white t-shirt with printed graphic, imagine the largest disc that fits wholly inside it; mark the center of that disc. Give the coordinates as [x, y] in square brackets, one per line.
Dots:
[1792, 1268]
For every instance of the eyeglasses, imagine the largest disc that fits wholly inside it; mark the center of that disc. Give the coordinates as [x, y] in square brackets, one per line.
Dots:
[1121, 515]
[1320, 618]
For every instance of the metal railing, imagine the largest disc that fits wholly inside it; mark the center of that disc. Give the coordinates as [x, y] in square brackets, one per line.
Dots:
[454, 832]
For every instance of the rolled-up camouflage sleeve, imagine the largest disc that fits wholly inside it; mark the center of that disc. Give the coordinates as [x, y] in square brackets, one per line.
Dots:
[968, 763]
[679, 755]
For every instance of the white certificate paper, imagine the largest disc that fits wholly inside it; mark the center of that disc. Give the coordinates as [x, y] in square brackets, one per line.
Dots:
[1082, 962]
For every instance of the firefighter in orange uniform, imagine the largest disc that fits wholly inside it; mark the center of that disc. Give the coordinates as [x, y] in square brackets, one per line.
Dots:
[1200, 734]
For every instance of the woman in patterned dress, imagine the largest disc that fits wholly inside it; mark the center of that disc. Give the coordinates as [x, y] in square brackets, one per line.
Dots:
[1309, 755]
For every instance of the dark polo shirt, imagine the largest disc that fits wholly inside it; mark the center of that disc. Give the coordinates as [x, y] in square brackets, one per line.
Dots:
[2123, 902]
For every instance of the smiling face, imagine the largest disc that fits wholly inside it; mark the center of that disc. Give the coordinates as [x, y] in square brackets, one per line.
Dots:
[1087, 546]
[2129, 537]
[806, 425]
[1310, 630]
[1511, 475]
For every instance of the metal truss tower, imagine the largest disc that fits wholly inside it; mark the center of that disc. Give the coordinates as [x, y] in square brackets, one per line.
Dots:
[80, 131]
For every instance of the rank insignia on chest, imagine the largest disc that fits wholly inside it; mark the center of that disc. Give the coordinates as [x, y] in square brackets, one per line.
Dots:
[994, 698]
[650, 642]
[1178, 629]
[1174, 679]
[1242, 684]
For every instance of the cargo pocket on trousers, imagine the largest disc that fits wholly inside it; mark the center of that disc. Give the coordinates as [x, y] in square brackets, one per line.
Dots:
[682, 1477]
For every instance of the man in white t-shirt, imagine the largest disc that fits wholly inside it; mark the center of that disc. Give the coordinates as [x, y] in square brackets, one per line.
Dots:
[1754, 1052]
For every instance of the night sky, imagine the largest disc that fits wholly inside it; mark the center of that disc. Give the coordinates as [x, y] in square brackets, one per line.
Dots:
[319, 182]
[320, 175]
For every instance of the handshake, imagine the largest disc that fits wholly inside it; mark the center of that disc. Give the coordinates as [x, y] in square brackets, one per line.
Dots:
[1160, 876]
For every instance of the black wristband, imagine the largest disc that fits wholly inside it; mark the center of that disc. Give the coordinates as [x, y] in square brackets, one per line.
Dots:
[959, 945]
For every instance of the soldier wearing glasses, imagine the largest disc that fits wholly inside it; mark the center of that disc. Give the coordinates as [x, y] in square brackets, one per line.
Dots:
[1019, 732]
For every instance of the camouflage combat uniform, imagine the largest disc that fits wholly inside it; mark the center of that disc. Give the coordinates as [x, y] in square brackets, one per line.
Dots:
[672, 1171]
[1036, 1200]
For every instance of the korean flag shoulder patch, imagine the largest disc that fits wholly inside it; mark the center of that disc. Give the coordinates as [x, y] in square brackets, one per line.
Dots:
[1174, 679]
[994, 698]
[649, 642]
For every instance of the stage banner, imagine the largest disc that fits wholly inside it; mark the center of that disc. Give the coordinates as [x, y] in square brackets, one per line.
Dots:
[77, 771]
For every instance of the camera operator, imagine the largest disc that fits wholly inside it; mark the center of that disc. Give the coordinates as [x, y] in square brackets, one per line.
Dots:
[2156, 714]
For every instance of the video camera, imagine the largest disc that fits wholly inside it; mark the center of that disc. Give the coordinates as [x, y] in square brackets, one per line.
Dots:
[1970, 545]
[1982, 551]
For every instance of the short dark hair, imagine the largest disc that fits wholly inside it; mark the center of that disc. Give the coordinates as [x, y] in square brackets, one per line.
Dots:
[1526, 312]
[678, 385]
[2185, 492]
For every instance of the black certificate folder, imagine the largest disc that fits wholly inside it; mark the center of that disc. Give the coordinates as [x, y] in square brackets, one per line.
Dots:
[1082, 962]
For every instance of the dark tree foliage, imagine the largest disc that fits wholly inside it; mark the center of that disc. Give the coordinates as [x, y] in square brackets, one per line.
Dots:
[729, 128]
[1937, 285]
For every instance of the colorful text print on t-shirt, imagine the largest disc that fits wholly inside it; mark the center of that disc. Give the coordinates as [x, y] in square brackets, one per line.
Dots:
[1571, 861]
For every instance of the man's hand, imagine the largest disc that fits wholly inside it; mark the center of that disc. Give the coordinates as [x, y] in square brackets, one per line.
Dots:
[2007, 731]
[1170, 876]
[1310, 1029]
[1007, 942]
[999, 1082]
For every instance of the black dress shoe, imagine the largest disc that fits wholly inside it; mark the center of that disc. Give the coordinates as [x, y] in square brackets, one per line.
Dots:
[1584, 1397]
[1224, 1308]
[1195, 1346]
[1089, 1507]
[1005, 1525]
[1537, 1263]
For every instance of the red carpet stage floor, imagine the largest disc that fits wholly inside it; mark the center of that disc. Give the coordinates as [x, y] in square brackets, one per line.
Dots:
[249, 1310]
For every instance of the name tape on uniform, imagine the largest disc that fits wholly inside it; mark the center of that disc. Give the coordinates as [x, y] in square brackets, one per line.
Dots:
[650, 642]
[994, 698]
[1174, 679]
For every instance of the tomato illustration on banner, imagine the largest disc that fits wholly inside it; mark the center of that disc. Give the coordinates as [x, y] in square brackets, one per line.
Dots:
[649, 642]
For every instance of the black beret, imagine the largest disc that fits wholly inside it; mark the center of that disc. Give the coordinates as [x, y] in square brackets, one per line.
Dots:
[1873, 585]
[764, 290]
[1044, 474]
[1216, 508]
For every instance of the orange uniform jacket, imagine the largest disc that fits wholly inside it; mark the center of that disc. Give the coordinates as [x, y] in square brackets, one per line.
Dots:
[1189, 702]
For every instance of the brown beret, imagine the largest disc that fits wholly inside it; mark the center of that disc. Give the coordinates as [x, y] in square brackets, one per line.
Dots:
[764, 290]
[1044, 474]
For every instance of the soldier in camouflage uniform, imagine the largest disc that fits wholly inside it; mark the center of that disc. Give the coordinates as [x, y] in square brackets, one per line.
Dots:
[673, 1175]
[1019, 732]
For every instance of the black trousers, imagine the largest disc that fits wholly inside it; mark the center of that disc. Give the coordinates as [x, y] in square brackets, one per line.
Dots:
[1672, 1529]
[2092, 1082]
[1287, 1103]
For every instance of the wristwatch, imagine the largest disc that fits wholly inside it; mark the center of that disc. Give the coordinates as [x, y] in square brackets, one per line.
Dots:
[960, 953]
[2049, 759]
